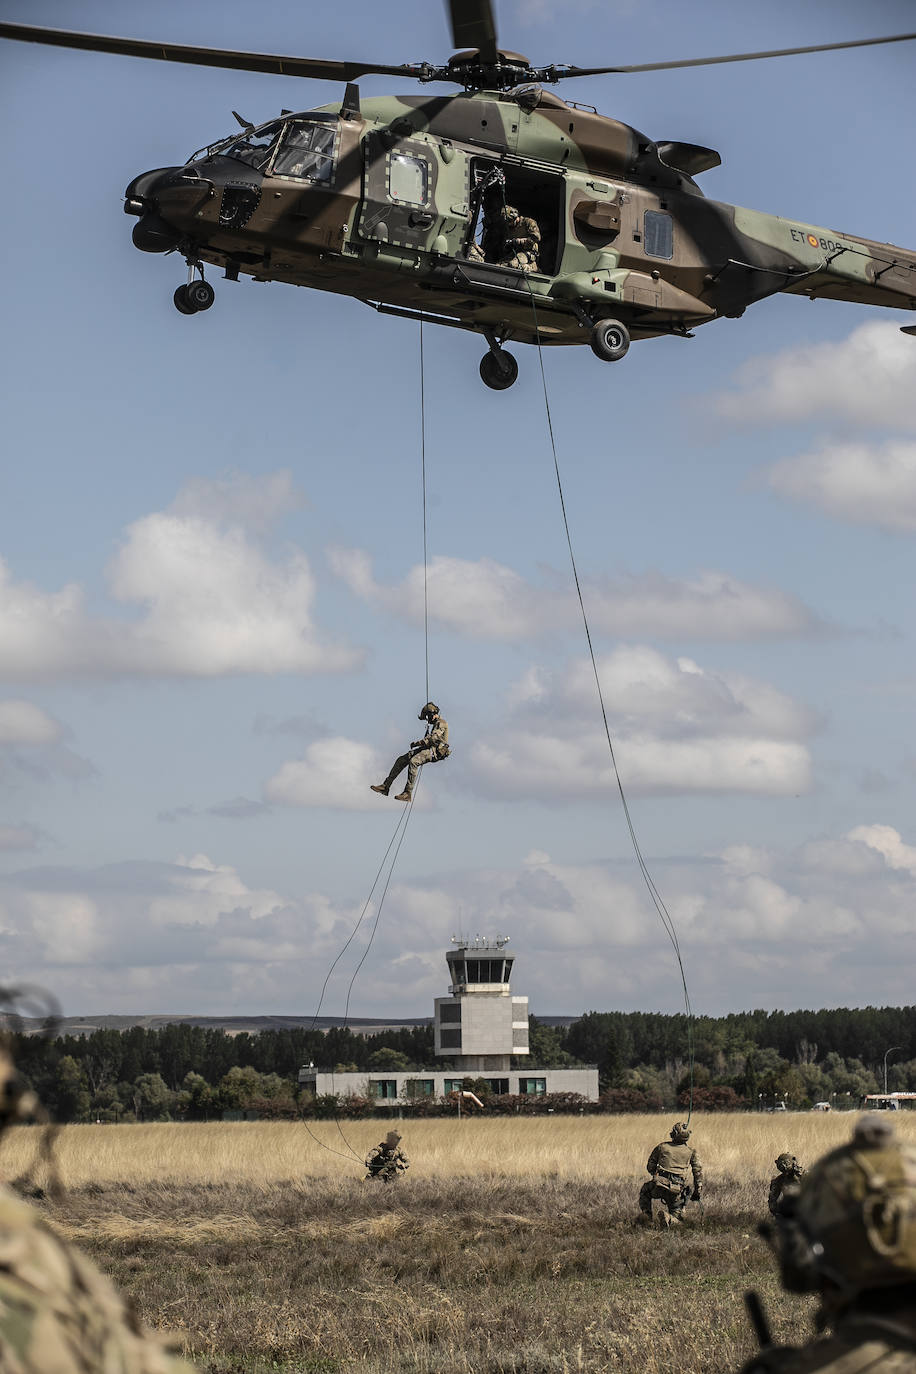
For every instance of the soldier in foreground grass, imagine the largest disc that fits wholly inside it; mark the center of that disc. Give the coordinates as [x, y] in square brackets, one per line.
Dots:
[58, 1313]
[387, 1160]
[847, 1232]
[677, 1177]
[790, 1171]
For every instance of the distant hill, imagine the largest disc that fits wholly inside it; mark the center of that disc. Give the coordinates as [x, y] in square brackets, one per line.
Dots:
[253, 1025]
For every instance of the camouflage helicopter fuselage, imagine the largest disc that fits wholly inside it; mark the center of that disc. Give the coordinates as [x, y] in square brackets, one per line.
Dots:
[382, 206]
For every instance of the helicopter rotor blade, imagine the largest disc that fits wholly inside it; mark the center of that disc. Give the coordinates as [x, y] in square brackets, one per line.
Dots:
[202, 57]
[565, 71]
[474, 26]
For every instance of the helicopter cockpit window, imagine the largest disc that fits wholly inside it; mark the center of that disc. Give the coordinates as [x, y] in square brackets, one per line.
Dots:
[408, 179]
[659, 234]
[307, 151]
[255, 148]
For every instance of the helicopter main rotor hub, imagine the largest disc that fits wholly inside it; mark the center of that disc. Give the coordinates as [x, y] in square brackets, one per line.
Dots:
[475, 73]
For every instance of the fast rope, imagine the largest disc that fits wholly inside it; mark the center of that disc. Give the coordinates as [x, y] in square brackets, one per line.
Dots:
[400, 830]
[423, 480]
[655, 896]
[397, 839]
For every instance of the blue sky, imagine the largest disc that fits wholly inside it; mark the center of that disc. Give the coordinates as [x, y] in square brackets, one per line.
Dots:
[211, 541]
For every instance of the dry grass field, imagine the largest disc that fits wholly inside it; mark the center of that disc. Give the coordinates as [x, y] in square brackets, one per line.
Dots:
[511, 1246]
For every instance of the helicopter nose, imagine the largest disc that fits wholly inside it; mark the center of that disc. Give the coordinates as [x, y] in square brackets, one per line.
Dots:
[152, 233]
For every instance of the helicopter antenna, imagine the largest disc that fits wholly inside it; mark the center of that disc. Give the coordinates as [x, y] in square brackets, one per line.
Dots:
[245, 123]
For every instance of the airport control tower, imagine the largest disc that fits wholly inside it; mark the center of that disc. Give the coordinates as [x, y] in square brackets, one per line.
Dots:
[481, 1025]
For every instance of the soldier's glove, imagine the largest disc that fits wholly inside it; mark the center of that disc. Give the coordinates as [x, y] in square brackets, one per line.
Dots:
[695, 1195]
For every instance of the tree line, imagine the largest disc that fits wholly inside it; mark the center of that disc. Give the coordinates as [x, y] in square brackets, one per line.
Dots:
[743, 1060]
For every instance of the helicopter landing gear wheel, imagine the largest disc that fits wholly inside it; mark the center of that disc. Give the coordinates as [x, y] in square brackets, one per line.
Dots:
[199, 295]
[610, 340]
[498, 369]
[181, 301]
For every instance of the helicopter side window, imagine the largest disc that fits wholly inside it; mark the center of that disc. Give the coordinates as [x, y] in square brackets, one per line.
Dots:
[408, 179]
[308, 151]
[255, 148]
[659, 234]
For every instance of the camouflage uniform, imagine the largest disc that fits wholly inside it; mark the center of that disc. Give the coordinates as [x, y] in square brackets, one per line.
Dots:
[431, 749]
[58, 1313]
[387, 1160]
[673, 1164]
[790, 1171]
[848, 1232]
[512, 240]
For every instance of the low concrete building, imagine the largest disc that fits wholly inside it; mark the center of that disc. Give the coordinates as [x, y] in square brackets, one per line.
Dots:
[480, 1027]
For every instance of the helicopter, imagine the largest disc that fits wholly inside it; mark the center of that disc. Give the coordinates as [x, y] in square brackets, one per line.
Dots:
[503, 210]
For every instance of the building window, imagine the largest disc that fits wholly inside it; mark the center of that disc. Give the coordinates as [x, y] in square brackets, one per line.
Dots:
[449, 1011]
[419, 1087]
[498, 1085]
[450, 1039]
[383, 1087]
[659, 234]
[452, 1085]
[408, 178]
[532, 1087]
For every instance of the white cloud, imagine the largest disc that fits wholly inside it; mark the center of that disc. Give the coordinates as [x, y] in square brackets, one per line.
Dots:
[22, 722]
[867, 379]
[864, 483]
[887, 842]
[484, 599]
[676, 728]
[826, 924]
[15, 837]
[239, 498]
[334, 773]
[211, 602]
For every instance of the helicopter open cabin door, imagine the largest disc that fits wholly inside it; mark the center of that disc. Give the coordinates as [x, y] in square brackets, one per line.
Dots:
[415, 194]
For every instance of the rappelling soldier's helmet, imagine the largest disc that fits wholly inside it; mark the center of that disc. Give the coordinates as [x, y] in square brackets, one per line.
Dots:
[680, 1132]
[429, 710]
[786, 1163]
[393, 1140]
[850, 1226]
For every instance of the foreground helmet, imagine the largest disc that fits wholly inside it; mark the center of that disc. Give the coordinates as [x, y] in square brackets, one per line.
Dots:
[785, 1162]
[852, 1222]
[680, 1131]
[392, 1138]
[429, 710]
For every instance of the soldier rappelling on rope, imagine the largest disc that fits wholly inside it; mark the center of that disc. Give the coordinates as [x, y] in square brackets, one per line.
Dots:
[430, 749]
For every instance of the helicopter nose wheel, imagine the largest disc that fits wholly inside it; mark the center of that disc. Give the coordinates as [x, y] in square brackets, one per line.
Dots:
[610, 340]
[498, 369]
[195, 296]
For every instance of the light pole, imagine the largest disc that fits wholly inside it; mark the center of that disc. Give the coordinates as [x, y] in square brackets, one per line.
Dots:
[886, 1053]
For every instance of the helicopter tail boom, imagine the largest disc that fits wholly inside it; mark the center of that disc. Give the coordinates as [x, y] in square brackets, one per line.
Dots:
[837, 266]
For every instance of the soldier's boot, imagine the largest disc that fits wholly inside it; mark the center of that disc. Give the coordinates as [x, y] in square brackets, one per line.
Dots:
[379, 787]
[403, 796]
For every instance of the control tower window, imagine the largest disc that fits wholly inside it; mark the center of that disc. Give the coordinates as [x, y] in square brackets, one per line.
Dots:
[449, 1011]
[307, 152]
[450, 1039]
[485, 971]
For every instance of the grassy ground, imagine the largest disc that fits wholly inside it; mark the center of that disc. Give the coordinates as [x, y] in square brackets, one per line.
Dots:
[511, 1247]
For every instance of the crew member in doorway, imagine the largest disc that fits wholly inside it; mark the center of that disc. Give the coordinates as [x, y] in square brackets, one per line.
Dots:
[514, 240]
[430, 749]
